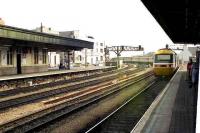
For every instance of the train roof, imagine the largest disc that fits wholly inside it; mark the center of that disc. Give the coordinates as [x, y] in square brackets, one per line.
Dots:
[165, 51]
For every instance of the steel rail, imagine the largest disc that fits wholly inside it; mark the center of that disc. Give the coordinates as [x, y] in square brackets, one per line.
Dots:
[56, 111]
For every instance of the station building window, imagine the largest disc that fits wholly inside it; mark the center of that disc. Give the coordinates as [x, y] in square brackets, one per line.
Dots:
[49, 58]
[101, 50]
[101, 58]
[36, 54]
[9, 57]
[91, 60]
[24, 52]
[55, 60]
[44, 56]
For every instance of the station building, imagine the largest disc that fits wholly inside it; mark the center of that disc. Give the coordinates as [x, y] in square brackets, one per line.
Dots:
[15, 60]
[54, 58]
[25, 51]
[95, 56]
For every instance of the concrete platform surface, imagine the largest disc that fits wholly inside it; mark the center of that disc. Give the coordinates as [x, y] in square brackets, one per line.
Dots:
[176, 110]
[48, 73]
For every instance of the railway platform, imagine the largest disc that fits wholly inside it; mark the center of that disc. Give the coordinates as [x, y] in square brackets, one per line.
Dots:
[51, 73]
[8, 83]
[174, 110]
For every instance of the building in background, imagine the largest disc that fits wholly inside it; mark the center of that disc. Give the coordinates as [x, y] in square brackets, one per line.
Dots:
[70, 34]
[45, 29]
[187, 53]
[95, 56]
[53, 57]
[84, 57]
[2, 21]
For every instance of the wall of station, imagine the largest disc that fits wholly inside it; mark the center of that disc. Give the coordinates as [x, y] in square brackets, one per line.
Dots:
[15, 60]
[5, 67]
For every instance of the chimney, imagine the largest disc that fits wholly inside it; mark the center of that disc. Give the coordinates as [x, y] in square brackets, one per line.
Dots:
[41, 27]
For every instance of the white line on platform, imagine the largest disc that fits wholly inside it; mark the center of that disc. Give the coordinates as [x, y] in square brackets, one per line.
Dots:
[198, 108]
[142, 122]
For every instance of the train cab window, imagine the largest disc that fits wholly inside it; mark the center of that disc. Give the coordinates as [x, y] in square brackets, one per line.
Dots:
[164, 58]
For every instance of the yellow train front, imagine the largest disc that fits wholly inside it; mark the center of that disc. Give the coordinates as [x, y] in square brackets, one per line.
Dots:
[165, 62]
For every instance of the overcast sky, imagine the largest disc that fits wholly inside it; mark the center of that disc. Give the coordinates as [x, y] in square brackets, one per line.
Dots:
[117, 22]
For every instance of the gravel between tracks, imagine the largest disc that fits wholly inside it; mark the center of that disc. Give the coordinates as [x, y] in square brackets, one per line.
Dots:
[14, 113]
[80, 120]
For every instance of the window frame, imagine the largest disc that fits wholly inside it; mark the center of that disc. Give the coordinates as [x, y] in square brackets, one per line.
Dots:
[163, 61]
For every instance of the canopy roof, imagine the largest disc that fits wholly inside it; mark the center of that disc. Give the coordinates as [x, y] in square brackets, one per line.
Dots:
[17, 36]
[180, 19]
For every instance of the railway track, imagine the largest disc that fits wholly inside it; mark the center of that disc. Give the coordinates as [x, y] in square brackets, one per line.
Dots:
[62, 105]
[38, 93]
[17, 90]
[124, 118]
[46, 78]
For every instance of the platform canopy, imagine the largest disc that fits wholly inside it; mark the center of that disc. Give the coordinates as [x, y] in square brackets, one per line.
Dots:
[180, 19]
[12, 36]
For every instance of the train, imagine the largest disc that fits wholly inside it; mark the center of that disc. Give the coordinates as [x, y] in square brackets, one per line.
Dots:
[165, 62]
